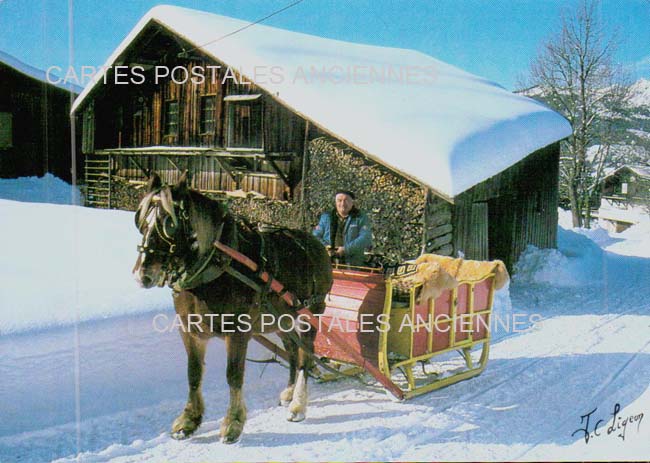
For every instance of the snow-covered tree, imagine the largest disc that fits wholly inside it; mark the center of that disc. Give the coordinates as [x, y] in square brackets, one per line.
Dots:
[576, 75]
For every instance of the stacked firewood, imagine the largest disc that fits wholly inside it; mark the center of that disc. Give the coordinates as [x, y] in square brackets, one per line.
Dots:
[126, 195]
[266, 211]
[395, 205]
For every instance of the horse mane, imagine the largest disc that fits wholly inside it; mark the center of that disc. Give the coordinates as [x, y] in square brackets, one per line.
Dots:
[206, 216]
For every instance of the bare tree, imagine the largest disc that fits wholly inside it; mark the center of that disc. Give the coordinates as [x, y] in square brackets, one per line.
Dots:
[575, 75]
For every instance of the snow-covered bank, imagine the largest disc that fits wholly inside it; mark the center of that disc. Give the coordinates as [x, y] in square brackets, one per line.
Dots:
[577, 261]
[46, 189]
[62, 263]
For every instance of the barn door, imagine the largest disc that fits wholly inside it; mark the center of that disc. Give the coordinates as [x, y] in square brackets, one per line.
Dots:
[478, 245]
[502, 217]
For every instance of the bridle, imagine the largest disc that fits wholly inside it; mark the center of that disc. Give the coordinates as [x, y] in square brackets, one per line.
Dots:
[172, 229]
[166, 229]
[157, 216]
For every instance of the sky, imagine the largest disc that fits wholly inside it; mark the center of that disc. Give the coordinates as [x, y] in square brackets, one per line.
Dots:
[496, 39]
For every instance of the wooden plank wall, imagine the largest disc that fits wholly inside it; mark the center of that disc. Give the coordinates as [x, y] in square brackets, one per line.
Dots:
[522, 209]
[438, 229]
[117, 106]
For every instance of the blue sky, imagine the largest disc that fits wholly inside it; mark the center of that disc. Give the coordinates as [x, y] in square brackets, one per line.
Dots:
[495, 39]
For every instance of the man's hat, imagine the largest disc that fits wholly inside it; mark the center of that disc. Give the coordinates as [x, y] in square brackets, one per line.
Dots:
[345, 192]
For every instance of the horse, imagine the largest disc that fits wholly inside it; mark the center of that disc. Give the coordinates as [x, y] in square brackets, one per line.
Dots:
[179, 227]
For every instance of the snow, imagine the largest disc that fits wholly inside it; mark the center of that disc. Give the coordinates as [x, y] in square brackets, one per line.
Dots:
[426, 119]
[46, 189]
[591, 350]
[642, 171]
[576, 262]
[640, 93]
[35, 73]
[65, 262]
[629, 213]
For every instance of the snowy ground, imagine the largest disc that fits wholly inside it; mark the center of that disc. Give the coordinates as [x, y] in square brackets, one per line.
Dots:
[127, 381]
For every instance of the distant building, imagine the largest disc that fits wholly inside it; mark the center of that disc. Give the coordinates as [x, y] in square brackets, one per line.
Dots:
[625, 199]
[34, 122]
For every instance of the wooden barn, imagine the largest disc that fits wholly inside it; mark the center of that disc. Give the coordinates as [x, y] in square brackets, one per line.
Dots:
[34, 122]
[625, 198]
[446, 161]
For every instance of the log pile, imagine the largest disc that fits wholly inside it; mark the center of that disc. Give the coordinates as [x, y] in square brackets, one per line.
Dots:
[266, 211]
[126, 195]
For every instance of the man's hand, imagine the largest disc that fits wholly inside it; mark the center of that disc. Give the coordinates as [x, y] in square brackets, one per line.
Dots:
[335, 252]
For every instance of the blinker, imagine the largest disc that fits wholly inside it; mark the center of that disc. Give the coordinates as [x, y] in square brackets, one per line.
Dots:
[169, 228]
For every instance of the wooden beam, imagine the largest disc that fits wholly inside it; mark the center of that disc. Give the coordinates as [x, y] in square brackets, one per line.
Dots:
[423, 247]
[223, 166]
[305, 152]
[437, 231]
[270, 345]
[173, 164]
[193, 151]
[278, 171]
[139, 166]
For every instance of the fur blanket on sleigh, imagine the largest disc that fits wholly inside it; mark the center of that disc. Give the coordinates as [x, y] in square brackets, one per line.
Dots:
[439, 273]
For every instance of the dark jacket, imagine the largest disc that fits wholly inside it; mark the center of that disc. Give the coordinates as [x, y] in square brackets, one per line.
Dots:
[357, 235]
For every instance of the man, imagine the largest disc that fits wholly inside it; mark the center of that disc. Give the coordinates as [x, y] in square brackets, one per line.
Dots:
[345, 230]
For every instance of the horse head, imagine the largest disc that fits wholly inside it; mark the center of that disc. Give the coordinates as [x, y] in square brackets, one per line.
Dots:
[178, 228]
[163, 222]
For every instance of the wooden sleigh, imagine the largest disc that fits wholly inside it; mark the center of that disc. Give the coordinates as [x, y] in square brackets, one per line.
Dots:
[456, 321]
[379, 324]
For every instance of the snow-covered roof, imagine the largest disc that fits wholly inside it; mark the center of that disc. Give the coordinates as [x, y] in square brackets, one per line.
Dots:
[445, 128]
[641, 171]
[35, 73]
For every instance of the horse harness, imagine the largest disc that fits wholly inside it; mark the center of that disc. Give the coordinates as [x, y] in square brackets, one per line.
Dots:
[205, 271]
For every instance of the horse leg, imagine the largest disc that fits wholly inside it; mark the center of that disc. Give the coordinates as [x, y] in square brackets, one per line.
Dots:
[292, 350]
[233, 422]
[188, 421]
[298, 405]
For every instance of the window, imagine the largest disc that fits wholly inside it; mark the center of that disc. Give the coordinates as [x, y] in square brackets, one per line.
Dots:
[244, 121]
[207, 116]
[6, 131]
[138, 118]
[171, 117]
[624, 188]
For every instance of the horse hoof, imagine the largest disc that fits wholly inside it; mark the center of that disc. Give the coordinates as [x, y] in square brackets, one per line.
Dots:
[184, 426]
[286, 396]
[296, 417]
[229, 440]
[180, 435]
[231, 432]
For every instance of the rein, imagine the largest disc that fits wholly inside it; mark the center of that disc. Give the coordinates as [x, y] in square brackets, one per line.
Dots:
[302, 308]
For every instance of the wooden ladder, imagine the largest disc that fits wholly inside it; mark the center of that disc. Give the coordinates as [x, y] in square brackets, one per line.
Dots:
[97, 169]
